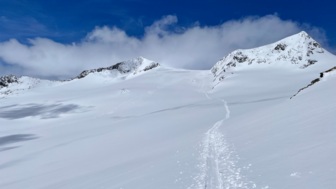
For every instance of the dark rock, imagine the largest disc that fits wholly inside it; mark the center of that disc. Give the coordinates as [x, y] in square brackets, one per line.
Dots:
[121, 67]
[280, 47]
[315, 44]
[309, 63]
[314, 81]
[87, 72]
[240, 57]
[6, 80]
[309, 52]
[330, 70]
[154, 65]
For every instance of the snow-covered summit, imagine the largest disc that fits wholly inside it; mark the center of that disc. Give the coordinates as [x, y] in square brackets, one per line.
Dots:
[299, 51]
[133, 66]
[11, 84]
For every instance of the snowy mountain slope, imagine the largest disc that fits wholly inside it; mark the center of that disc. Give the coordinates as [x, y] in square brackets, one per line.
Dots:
[133, 66]
[170, 128]
[12, 85]
[116, 134]
[313, 82]
[296, 53]
[289, 144]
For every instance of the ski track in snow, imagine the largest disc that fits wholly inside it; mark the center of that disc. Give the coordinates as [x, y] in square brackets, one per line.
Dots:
[217, 165]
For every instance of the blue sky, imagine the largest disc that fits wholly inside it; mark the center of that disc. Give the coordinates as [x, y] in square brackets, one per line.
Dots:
[62, 23]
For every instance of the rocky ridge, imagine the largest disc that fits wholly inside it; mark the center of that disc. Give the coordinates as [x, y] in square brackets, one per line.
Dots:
[5, 81]
[313, 82]
[134, 66]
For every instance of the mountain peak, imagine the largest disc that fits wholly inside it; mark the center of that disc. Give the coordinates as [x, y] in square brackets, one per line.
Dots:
[300, 38]
[299, 51]
[135, 66]
[302, 34]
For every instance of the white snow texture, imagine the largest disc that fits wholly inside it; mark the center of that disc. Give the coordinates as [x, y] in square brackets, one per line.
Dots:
[138, 124]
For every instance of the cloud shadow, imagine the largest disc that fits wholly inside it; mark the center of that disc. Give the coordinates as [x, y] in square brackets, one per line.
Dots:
[36, 110]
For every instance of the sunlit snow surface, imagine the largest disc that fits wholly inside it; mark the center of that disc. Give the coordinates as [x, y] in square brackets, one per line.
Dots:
[170, 128]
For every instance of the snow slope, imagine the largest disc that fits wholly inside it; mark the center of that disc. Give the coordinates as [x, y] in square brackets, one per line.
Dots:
[171, 128]
[12, 85]
[290, 144]
[299, 52]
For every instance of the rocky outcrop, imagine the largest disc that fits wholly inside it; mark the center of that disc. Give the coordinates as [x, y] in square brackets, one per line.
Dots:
[8, 79]
[280, 46]
[322, 74]
[134, 66]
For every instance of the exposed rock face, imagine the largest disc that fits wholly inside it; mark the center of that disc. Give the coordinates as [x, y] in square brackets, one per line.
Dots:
[134, 66]
[309, 63]
[281, 47]
[322, 74]
[298, 50]
[8, 79]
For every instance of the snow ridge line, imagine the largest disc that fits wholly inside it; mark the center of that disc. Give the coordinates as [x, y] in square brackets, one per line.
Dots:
[218, 163]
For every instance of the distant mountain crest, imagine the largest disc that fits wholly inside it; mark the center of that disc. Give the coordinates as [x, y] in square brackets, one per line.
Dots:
[299, 49]
[134, 66]
[11, 84]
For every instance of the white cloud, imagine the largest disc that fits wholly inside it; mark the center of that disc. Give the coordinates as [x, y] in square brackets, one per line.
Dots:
[196, 47]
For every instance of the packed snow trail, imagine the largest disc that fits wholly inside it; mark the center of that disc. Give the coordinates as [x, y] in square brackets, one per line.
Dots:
[218, 162]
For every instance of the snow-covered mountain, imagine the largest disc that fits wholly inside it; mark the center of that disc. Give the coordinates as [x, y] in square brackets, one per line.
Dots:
[124, 126]
[299, 51]
[12, 84]
[130, 67]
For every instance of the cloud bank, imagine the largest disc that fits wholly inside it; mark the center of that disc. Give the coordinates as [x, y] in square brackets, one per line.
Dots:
[194, 47]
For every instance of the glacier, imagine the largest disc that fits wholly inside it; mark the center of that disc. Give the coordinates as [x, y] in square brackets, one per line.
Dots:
[143, 125]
